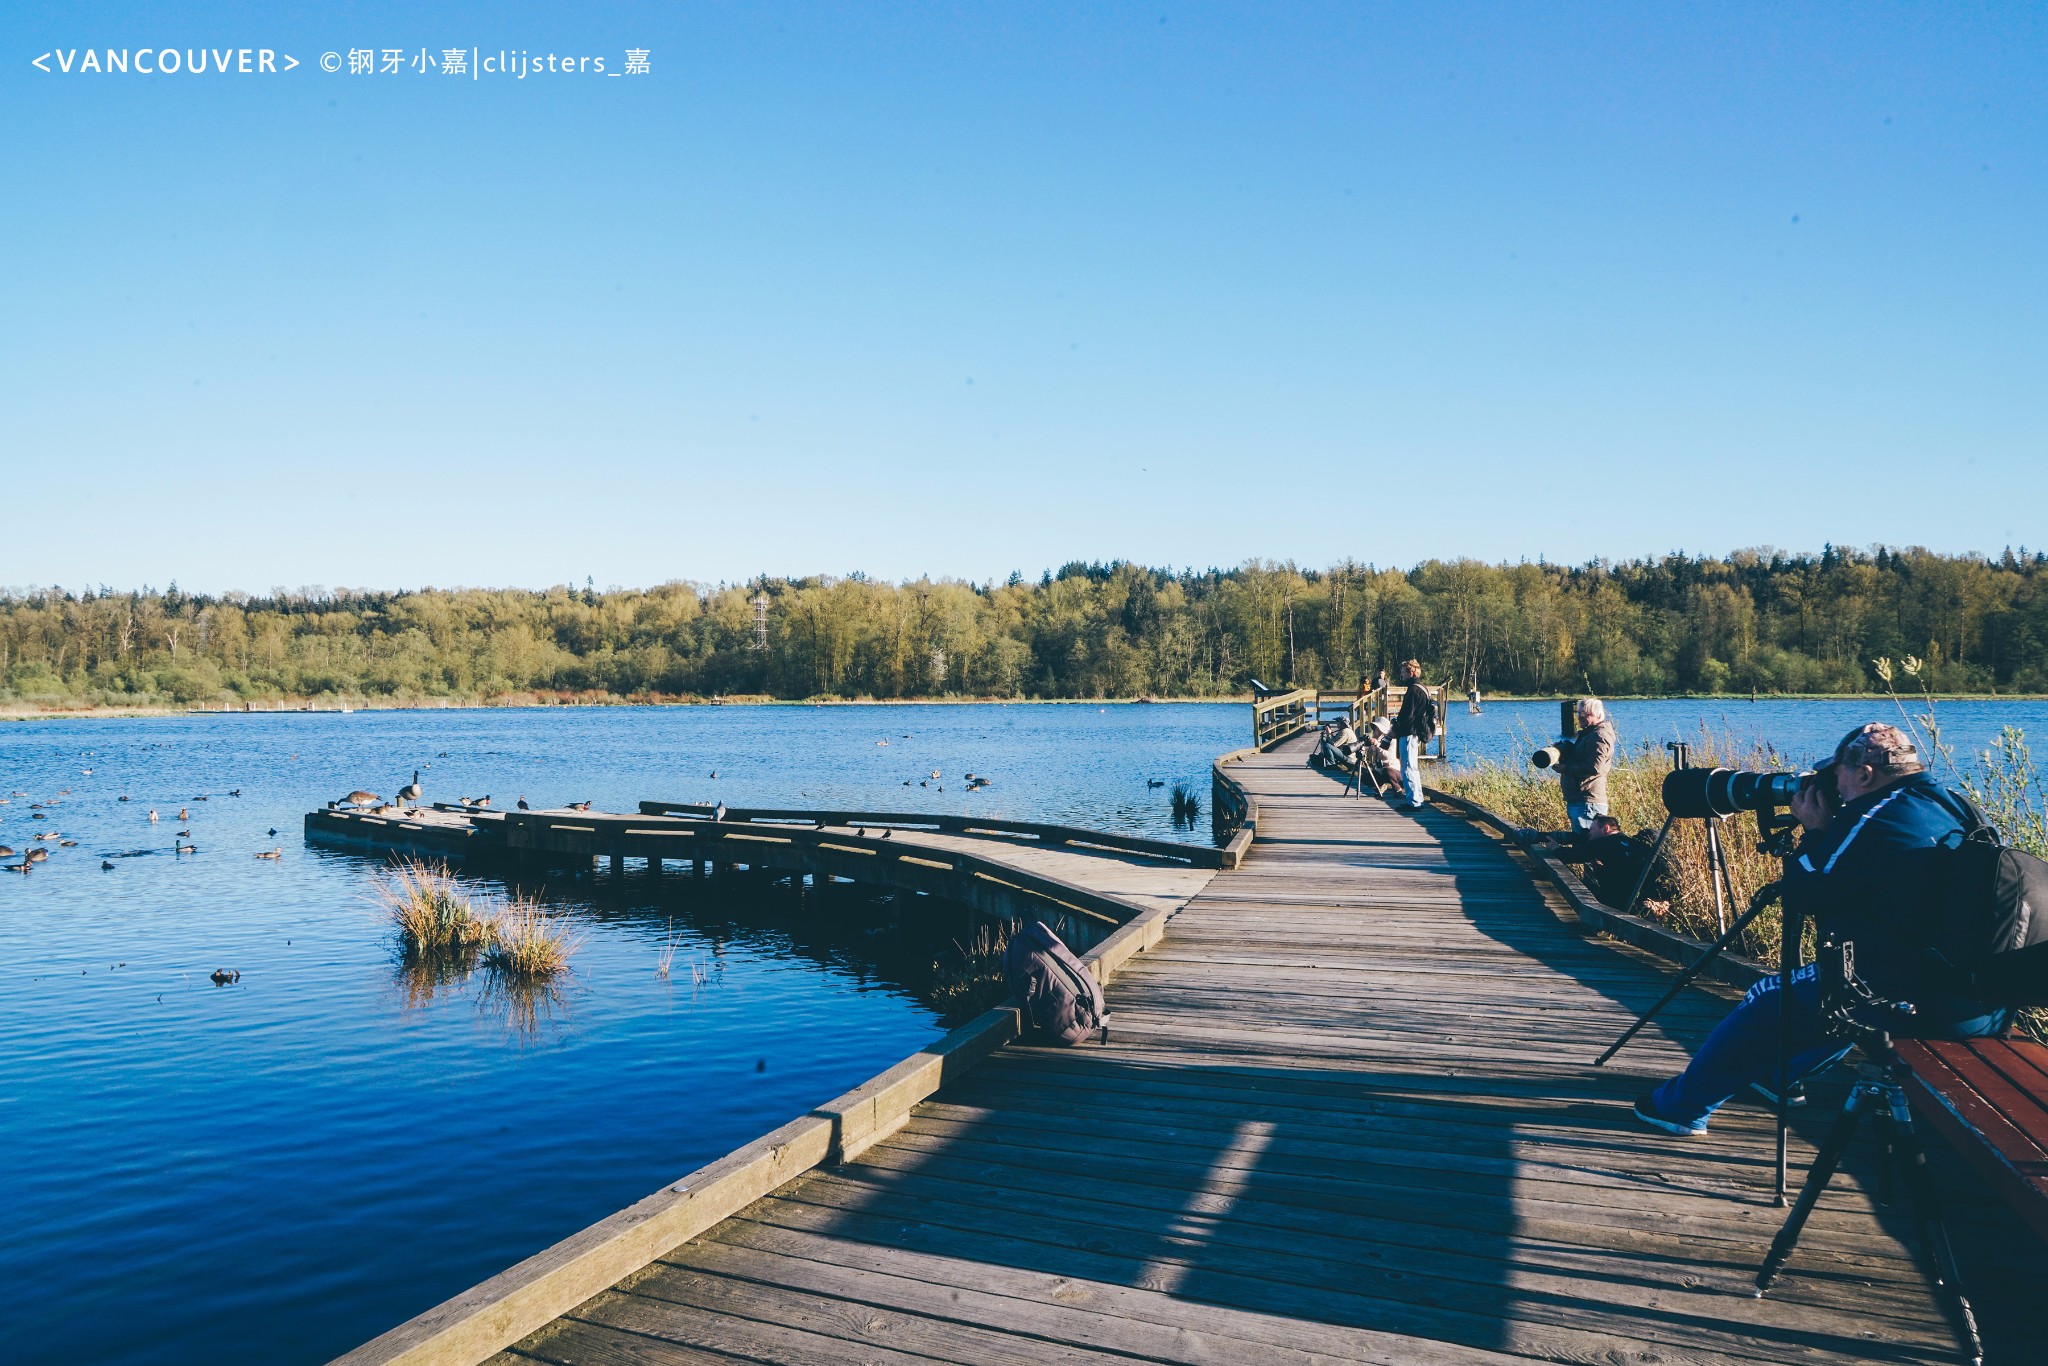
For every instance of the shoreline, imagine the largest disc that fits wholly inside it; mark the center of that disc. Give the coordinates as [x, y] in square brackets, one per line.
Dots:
[30, 712]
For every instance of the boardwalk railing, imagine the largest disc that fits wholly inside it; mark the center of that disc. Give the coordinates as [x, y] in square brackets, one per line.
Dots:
[1282, 716]
[1194, 855]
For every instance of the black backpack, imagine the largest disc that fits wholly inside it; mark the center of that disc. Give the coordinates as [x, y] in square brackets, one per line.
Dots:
[1993, 918]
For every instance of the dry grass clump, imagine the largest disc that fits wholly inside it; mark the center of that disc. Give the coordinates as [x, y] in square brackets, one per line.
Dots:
[528, 946]
[433, 915]
[970, 979]
[1530, 797]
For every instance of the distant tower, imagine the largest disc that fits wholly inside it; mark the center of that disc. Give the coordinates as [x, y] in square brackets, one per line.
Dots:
[760, 621]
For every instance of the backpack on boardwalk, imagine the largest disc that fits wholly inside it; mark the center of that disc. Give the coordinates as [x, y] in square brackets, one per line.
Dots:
[1059, 997]
[1994, 918]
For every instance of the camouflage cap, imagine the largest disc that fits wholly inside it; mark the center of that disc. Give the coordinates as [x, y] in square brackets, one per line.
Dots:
[1884, 747]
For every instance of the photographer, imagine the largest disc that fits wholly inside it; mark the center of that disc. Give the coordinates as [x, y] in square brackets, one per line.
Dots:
[1868, 869]
[1414, 728]
[1582, 763]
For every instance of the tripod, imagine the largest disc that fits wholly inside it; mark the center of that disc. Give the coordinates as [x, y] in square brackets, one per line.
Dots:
[1880, 1094]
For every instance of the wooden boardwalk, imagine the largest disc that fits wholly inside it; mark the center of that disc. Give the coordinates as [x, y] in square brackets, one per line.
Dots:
[1346, 1114]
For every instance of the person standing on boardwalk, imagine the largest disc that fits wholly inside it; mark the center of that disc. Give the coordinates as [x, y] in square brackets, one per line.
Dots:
[1583, 763]
[1415, 727]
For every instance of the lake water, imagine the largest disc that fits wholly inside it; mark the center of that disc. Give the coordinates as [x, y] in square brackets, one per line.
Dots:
[280, 1168]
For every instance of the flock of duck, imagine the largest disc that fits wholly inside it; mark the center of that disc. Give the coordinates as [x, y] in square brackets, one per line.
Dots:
[41, 811]
[408, 798]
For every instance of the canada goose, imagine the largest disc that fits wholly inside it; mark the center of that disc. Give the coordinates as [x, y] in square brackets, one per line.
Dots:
[200, 798]
[222, 976]
[36, 856]
[714, 773]
[355, 798]
[234, 792]
[67, 844]
[48, 835]
[483, 800]
[579, 806]
[275, 853]
[523, 806]
[184, 848]
[184, 834]
[21, 867]
[5, 851]
[1155, 782]
[410, 793]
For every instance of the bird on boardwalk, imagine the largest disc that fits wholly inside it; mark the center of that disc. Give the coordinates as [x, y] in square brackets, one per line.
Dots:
[355, 798]
[888, 834]
[718, 812]
[523, 806]
[579, 806]
[409, 795]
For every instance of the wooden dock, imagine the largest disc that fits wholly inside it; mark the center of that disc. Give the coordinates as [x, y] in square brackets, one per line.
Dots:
[1346, 1114]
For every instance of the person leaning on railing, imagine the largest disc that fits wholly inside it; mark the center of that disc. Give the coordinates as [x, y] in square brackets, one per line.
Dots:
[1867, 869]
[1414, 728]
[1583, 764]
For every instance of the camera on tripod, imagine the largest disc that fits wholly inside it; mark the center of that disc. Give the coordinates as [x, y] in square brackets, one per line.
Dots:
[1702, 792]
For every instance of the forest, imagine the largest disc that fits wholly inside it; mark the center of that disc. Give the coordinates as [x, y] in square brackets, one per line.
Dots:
[1764, 620]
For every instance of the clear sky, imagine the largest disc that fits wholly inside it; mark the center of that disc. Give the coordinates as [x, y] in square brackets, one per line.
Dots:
[968, 288]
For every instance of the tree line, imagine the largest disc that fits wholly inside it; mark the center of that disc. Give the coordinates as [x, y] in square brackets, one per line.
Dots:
[1774, 622]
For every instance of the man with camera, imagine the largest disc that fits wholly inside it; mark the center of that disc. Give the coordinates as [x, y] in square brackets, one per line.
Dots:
[1582, 762]
[1868, 870]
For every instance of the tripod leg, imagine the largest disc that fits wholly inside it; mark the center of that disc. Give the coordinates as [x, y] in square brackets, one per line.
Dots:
[1817, 1177]
[1649, 865]
[1927, 1221]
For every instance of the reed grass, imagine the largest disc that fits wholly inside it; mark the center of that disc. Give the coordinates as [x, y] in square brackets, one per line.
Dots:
[970, 980]
[529, 946]
[433, 914]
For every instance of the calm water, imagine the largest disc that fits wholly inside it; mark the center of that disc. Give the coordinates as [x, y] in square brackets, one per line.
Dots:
[281, 1168]
[297, 1162]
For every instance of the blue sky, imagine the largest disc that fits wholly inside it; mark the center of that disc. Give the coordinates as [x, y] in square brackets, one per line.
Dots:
[962, 289]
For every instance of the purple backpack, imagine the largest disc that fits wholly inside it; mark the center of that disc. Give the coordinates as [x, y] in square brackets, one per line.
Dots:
[1059, 997]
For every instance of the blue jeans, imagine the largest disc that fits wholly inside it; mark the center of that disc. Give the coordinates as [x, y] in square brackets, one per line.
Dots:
[1744, 1048]
[1581, 814]
[1411, 768]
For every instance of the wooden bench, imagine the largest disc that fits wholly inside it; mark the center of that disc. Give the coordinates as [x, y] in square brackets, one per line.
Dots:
[1989, 1098]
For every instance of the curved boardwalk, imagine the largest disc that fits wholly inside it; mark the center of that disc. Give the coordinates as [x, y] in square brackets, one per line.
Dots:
[1346, 1114]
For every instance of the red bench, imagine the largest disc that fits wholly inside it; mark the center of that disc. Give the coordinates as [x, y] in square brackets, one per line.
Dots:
[1989, 1098]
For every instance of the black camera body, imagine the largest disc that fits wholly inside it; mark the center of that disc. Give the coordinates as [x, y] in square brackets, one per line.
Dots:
[1724, 791]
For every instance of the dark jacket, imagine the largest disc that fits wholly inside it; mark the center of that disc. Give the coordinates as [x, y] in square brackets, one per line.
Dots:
[1417, 716]
[1874, 876]
[1585, 759]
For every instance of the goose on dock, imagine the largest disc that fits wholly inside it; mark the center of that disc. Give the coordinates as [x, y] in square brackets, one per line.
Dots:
[409, 795]
[718, 812]
[579, 806]
[355, 798]
[523, 806]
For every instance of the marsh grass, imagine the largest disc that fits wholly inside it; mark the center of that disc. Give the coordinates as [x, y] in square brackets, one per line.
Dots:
[1529, 797]
[969, 979]
[441, 935]
[529, 945]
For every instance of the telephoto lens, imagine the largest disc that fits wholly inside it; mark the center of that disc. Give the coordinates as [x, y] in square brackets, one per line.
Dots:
[1725, 791]
[1547, 757]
